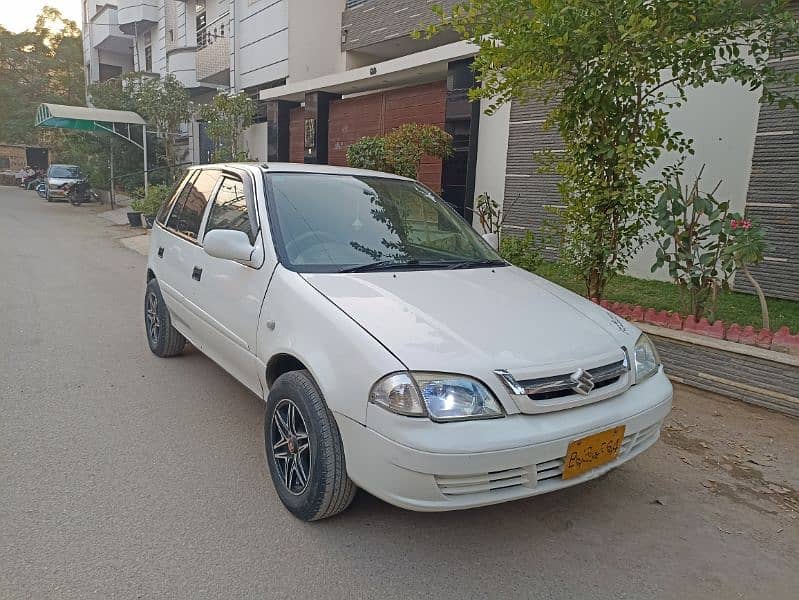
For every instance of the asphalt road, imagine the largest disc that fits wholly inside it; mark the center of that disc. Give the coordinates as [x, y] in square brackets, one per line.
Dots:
[127, 476]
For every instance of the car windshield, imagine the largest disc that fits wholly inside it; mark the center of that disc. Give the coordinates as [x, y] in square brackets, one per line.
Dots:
[328, 223]
[64, 172]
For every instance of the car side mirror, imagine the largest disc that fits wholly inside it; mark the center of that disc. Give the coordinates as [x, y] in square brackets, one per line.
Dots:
[492, 239]
[229, 244]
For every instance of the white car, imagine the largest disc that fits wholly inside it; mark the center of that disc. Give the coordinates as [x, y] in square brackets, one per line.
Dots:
[396, 351]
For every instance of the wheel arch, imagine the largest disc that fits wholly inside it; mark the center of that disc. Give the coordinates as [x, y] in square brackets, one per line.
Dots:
[283, 363]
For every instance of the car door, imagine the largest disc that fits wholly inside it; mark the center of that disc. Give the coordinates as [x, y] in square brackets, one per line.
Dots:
[230, 294]
[179, 266]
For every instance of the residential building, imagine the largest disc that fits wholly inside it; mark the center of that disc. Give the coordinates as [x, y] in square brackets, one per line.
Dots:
[328, 72]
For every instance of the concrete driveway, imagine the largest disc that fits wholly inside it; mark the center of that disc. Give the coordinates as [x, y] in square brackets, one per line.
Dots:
[126, 476]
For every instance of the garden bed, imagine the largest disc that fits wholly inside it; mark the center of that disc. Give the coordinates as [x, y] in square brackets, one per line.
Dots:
[662, 295]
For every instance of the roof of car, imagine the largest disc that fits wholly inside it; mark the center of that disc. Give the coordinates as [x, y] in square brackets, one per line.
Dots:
[66, 166]
[287, 167]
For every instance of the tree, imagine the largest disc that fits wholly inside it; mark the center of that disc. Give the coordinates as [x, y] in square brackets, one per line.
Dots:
[227, 117]
[612, 71]
[162, 102]
[41, 65]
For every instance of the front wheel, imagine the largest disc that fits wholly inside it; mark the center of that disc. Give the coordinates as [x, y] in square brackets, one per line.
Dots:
[164, 340]
[304, 450]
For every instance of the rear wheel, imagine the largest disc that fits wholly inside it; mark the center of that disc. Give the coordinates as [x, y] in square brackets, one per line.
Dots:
[304, 449]
[164, 340]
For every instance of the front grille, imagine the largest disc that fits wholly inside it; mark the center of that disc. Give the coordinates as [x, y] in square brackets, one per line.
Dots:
[484, 482]
[560, 386]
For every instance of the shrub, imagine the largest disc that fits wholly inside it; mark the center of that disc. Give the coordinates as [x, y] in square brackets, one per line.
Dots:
[521, 251]
[400, 151]
[702, 244]
[152, 202]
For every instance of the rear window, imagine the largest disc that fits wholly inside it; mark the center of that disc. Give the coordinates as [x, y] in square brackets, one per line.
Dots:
[176, 196]
[188, 213]
[64, 172]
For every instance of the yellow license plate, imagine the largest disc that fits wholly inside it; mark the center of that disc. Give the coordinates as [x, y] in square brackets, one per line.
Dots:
[592, 451]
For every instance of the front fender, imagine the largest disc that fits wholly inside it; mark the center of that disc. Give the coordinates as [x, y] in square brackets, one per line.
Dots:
[344, 359]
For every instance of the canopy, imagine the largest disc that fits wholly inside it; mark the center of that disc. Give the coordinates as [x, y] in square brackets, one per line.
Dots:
[83, 118]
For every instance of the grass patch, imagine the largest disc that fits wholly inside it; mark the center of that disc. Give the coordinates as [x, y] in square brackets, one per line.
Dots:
[732, 307]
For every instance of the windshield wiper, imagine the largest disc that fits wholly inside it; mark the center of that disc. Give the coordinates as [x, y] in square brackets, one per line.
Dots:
[470, 264]
[381, 265]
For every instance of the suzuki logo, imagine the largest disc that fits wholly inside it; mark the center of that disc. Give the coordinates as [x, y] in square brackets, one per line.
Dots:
[582, 382]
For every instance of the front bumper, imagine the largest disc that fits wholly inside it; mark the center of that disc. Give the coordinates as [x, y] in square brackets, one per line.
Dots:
[425, 466]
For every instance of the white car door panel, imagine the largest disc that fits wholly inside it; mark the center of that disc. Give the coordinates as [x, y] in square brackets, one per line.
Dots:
[233, 293]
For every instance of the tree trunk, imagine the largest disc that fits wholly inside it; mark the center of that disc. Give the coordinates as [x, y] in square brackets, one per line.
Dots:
[760, 295]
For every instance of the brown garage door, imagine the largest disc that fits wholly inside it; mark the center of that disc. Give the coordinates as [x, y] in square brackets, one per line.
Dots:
[375, 114]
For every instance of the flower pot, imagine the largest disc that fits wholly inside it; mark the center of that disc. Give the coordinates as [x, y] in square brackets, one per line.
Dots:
[149, 219]
[134, 218]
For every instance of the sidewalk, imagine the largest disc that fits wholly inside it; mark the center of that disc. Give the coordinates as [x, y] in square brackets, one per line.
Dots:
[139, 242]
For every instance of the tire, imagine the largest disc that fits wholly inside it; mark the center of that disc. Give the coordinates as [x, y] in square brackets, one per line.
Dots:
[164, 340]
[48, 197]
[327, 489]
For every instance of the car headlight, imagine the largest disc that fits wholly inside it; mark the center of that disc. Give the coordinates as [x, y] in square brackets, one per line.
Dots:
[440, 396]
[645, 358]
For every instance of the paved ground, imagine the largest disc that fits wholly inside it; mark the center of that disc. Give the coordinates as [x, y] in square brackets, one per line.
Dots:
[126, 476]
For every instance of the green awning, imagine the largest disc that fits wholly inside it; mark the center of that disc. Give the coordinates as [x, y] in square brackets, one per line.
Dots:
[83, 118]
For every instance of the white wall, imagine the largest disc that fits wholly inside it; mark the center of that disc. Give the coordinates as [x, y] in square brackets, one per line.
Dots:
[314, 38]
[255, 141]
[261, 41]
[722, 120]
[492, 154]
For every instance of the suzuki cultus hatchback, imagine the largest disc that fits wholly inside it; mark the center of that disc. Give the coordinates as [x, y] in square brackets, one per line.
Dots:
[396, 351]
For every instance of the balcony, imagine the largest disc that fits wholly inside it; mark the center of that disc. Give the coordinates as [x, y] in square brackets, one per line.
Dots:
[382, 28]
[106, 34]
[182, 63]
[133, 12]
[213, 52]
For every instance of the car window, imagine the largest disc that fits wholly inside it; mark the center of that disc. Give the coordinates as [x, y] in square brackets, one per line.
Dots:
[229, 210]
[65, 172]
[327, 223]
[177, 196]
[188, 214]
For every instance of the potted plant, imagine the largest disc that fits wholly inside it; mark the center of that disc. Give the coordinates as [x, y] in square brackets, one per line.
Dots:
[148, 205]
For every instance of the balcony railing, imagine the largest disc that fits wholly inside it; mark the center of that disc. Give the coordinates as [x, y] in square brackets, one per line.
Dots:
[214, 31]
[213, 51]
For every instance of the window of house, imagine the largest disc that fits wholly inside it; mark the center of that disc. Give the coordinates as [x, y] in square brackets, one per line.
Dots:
[187, 217]
[229, 210]
[148, 52]
[5, 162]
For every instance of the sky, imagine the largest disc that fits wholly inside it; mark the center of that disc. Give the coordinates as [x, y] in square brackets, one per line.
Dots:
[23, 14]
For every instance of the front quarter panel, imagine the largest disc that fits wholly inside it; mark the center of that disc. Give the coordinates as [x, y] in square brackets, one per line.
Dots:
[343, 358]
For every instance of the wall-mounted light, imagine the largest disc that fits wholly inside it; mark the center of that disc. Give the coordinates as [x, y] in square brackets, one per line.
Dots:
[344, 33]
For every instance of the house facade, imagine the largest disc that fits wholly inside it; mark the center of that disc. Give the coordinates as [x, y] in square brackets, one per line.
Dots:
[327, 72]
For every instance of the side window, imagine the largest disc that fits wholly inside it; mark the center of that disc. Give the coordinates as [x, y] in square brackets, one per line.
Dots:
[188, 213]
[176, 197]
[229, 210]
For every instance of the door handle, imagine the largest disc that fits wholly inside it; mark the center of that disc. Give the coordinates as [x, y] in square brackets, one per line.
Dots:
[160, 252]
[197, 273]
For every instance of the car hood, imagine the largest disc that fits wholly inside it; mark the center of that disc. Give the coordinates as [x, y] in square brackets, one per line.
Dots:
[62, 180]
[472, 319]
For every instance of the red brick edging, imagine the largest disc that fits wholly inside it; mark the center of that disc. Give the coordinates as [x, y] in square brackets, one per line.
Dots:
[780, 341]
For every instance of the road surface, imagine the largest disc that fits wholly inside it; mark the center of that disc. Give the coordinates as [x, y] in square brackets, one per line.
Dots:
[126, 476]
